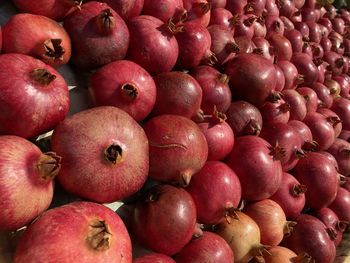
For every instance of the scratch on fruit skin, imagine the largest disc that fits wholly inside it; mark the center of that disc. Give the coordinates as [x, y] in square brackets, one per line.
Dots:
[168, 145]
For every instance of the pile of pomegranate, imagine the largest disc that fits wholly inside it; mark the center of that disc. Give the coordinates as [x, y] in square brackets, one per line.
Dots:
[222, 127]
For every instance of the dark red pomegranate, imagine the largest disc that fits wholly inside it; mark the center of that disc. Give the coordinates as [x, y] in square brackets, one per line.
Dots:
[194, 46]
[37, 36]
[209, 247]
[310, 97]
[341, 107]
[291, 76]
[54, 9]
[119, 154]
[321, 129]
[125, 85]
[221, 16]
[297, 104]
[341, 204]
[198, 11]
[218, 183]
[178, 148]
[178, 93]
[127, 9]
[150, 223]
[38, 101]
[295, 38]
[252, 78]
[264, 49]
[333, 119]
[30, 172]
[275, 111]
[308, 144]
[324, 95]
[156, 39]
[290, 196]
[244, 118]
[310, 236]
[96, 232]
[286, 140]
[306, 67]
[243, 25]
[340, 149]
[215, 89]
[99, 35]
[255, 160]
[154, 257]
[282, 45]
[219, 136]
[319, 175]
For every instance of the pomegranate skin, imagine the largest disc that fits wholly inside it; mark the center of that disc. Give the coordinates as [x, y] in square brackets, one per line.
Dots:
[154, 258]
[98, 34]
[260, 166]
[117, 163]
[125, 85]
[165, 220]
[27, 34]
[54, 9]
[72, 228]
[178, 148]
[321, 180]
[341, 204]
[159, 46]
[252, 78]
[218, 183]
[42, 106]
[26, 190]
[127, 9]
[209, 248]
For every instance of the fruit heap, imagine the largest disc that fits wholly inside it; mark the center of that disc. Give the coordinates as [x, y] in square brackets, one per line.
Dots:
[222, 127]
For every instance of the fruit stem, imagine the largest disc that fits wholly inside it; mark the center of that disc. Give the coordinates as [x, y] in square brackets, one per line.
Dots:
[113, 154]
[42, 76]
[99, 236]
[129, 91]
[49, 165]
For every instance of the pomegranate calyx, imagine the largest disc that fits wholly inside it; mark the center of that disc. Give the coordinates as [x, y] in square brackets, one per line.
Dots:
[106, 21]
[303, 258]
[332, 233]
[300, 79]
[346, 152]
[232, 47]
[249, 8]
[185, 178]
[300, 153]
[341, 225]
[288, 228]
[298, 189]
[200, 9]
[53, 49]
[113, 154]
[339, 63]
[285, 107]
[223, 78]
[173, 27]
[258, 51]
[275, 96]
[231, 214]
[252, 128]
[42, 76]
[129, 91]
[333, 120]
[277, 152]
[99, 236]
[180, 16]
[49, 165]
[210, 59]
[249, 21]
[310, 146]
[306, 39]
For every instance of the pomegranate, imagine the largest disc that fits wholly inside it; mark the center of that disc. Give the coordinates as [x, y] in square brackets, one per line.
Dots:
[117, 137]
[224, 193]
[164, 9]
[99, 35]
[30, 172]
[96, 233]
[340, 149]
[341, 204]
[177, 146]
[297, 104]
[154, 257]
[37, 36]
[341, 106]
[125, 85]
[38, 101]
[150, 222]
[127, 9]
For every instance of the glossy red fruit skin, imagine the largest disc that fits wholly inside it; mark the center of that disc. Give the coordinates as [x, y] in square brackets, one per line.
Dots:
[19, 160]
[310, 235]
[224, 193]
[340, 149]
[220, 139]
[283, 45]
[290, 196]
[151, 220]
[116, 178]
[216, 91]
[252, 161]
[54, 9]
[125, 85]
[252, 78]
[163, 9]
[177, 93]
[306, 67]
[127, 9]
[209, 247]
[341, 107]
[159, 45]
[341, 204]
[73, 224]
[30, 108]
[96, 43]
[290, 74]
[275, 112]
[321, 180]
[178, 148]
[26, 34]
[310, 97]
[297, 104]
